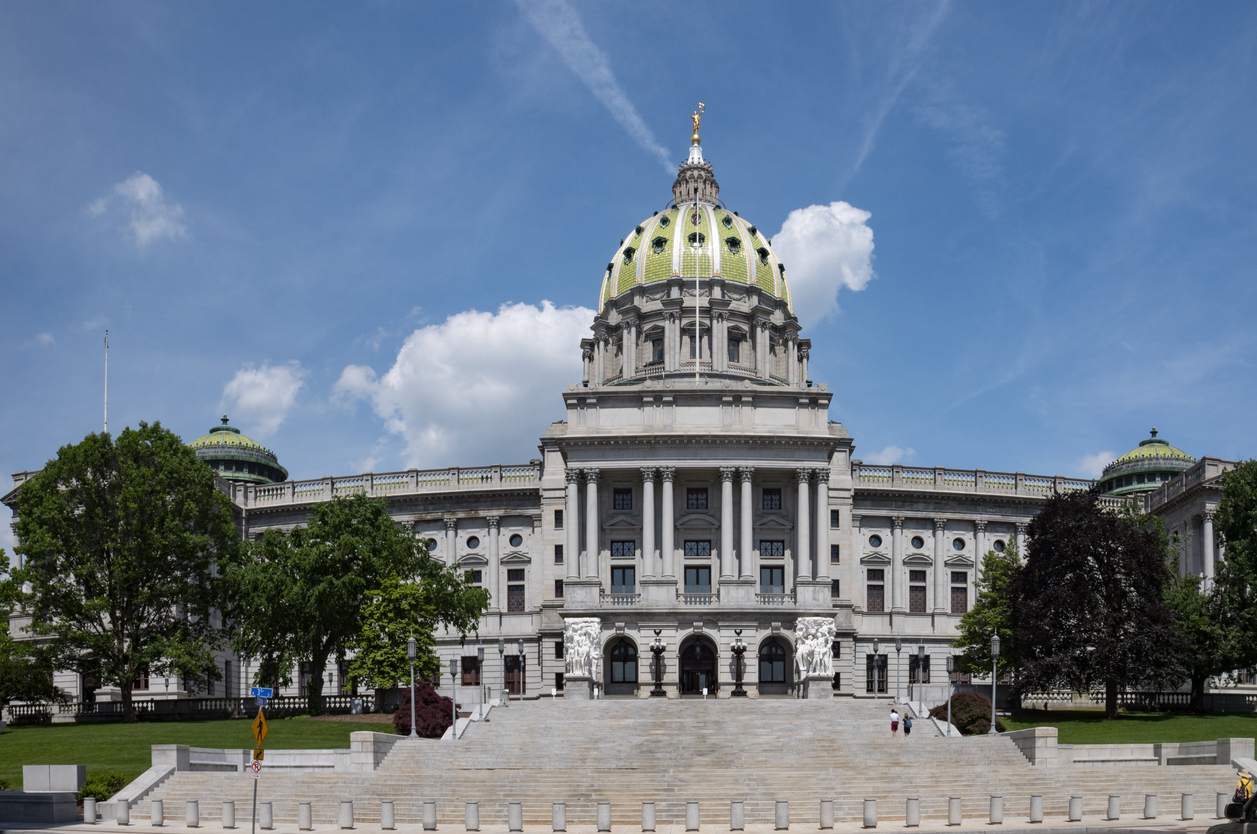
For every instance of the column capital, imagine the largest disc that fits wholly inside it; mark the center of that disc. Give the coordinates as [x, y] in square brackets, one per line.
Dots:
[727, 473]
[897, 521]
[1021, 526]
[1208, 515]
[649, 473]
[572, 476]
[493, 521]
[668, 473]
[803, 475]
[980, 525]
[940, 524]
[591, 475]
[822, 475]
[747, 473]
[855, 520]
[451, 523]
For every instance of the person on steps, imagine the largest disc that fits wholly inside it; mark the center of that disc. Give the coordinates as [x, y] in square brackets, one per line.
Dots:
[894, 723]
[1243, 787]
[907, 725]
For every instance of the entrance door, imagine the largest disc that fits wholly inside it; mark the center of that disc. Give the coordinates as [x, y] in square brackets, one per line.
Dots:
[775, 668]
[515, 683]
[698, 669]
[621, 669]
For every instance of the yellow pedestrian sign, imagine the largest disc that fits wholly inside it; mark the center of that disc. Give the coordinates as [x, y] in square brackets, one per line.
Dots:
[259, 728]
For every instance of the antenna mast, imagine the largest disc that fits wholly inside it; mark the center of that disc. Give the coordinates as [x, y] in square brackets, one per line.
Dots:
[106, 382]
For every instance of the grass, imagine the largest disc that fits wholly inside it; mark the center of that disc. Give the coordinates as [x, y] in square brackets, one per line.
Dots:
[125, 747]
[1089, 727]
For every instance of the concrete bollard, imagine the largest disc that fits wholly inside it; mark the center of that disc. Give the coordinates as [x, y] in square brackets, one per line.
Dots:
[346, 817]
[648, 816]
[691, 816]
[266, 816]
[781, 815]
[155, 813]
[471, 816]
[996, 814]
[1223, 799]
[737, 816]
[1075, 809]
[89, 810]
[1150, 806]
[515, 816]
[304, 817]
[122, 812]
[604, 816]
[870, 813]
[1115, 807]
[912, 812]
[229, 813]
[1036, 808]
[387, 820]
[192, 814]
[953, 810]
[429, 815]
[827, 813]
[558, 816]
[1188, 807]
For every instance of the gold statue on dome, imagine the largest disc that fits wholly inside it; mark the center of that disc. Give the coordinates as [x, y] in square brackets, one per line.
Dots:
[697, 117]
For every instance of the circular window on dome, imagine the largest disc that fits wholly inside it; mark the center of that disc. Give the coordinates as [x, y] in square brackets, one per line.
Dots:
[473, 543]
[918, 542]
[658, 245]
[999, 545]
[728, 221]
[875, 540]
[958, 544]
[664, 222]
[735, 245]
[516, 540]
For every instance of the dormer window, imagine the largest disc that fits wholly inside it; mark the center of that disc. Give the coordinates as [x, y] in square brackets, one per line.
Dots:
[728, 221]
[638, 230]
[628, 254]
[664, 222]
[735, 245]
[697, 238]
[658, 245]
[754, 231]
[763, 255]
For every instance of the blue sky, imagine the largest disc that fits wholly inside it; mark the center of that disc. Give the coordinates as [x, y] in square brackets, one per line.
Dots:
[374, 233]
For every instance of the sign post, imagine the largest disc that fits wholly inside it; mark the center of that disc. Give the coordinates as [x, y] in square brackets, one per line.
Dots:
[259, 735]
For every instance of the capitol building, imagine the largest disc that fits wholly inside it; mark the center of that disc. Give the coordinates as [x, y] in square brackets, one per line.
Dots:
[699, 497]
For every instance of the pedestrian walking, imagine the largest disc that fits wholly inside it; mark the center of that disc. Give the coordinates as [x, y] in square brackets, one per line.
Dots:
[907, 725]
[894, 723]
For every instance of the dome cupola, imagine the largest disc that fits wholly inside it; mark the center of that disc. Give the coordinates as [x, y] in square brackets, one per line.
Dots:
[235, 457]
[1145, 467]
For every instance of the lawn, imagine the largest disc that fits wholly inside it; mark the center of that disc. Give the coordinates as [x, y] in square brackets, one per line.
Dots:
[125, 747]
[1088, 727]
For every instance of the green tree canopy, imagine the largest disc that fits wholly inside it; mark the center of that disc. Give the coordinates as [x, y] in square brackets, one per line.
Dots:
[25, 669]
[991, 614]
[120, 539]
[1236, 579]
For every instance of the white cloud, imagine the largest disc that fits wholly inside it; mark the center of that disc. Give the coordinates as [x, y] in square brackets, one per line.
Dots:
[45, 340]
[262, 397]
[1093, 465]
[478, 387]
[559, 24]
[824, 248]
[891, 454]
[151, 218]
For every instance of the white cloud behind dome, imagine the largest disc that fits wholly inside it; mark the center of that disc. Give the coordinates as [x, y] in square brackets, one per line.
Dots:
[824, 248]
[261, 398]
[478, 388]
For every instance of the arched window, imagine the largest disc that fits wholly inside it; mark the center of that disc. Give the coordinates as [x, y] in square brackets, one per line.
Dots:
[624, 662]
[772, 662]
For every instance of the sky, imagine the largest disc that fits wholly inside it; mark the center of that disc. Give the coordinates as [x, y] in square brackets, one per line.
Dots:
[1018, 235]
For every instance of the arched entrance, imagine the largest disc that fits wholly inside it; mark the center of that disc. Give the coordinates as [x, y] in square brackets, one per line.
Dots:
[776, 669]
[698, 668]
[621, 667]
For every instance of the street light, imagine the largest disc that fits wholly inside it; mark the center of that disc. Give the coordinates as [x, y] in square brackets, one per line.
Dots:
[657, 648]
[951, 666]
[523, 658]
[453, 698]
[502, 699]
[411, 652]
[920, 669]
[898, 666]
[480, 684]
[994, 661]
[739, 649]
[875, 666]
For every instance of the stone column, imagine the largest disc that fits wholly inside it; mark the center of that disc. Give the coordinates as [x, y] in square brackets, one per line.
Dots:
[649, 564]
[979, 538]
[822, 524]
[451, 539]
[940, 568]
[803, 357]
[1207, 541]
[802, 534]
[591, 524]
[746, 546]
[896, 565]
[668, 523]
[571, 522]
[792, 360]
[494, 571]
[600, 359]
[728, 567]
[1021, 539]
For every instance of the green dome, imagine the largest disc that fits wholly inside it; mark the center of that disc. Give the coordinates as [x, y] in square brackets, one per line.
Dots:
[1145, 467]
[238, 458]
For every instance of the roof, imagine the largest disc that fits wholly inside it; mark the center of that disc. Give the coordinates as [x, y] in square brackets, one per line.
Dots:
[1154, 448]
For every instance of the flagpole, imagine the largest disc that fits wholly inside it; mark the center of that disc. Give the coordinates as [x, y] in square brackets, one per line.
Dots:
[106, 382]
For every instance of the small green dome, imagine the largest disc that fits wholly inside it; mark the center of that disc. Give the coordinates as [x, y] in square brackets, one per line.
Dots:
[1154, 448]
[1145, 467]
[236, 457]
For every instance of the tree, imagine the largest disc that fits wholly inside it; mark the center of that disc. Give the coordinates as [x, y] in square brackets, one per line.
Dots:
[992, 613]
[25, 668]
[298, 597]
[120, 539]
[1236, 579]
[1208, 635]
[1090, 601]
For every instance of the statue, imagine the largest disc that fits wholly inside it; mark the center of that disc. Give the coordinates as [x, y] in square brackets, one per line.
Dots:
[698, 115]
[813, 653]
[582, 646]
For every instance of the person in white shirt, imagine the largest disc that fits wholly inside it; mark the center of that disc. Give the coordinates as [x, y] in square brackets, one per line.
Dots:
[894, 723]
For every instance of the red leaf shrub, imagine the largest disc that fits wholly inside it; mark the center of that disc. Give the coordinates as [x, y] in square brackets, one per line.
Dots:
[970, 713]
[432, 712]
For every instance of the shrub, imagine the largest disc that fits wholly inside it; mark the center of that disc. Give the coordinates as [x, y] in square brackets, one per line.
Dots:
[432, 712]
[4, 784]
[970, 713]
[102, 785]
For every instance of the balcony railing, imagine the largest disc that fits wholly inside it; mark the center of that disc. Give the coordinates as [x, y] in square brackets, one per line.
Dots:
[963, 480]
[774, 599]
[621, 599]
[688, 598]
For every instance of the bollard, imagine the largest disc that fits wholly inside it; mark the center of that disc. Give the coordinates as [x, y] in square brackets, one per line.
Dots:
[1115, 807]
[515, 816]
[471, 816]
[89, 810]
[387, 820]
[558, 816]
[1036, 808]
[1150, 806]
[953, 810]
[229, 814]
[737, 816]
[781, 815]
[346, 817]
[1188, 808]
[996, 815]
[691, 815]
[648, 816]
[870, 813]
[155, 815]
[604, 816]
[827, 813]
[1075, 809]
[429, 815]
[192, 815]
[912, 812]
[1223, 798]
[304, 817]
[266, 816]
[123, 812]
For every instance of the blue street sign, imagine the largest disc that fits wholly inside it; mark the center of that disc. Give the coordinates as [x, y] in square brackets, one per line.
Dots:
[260, 701]
[261, 692]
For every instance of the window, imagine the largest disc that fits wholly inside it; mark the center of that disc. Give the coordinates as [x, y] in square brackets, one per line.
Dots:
[958, 544]
[772, 663]
[558, 519]
[141, 680]
[656, 350]
[916, 576]
[514, 597]
[834, 592]
[558, 649]
[875, 540]
[622, 498]
[772, 550]
[728, 221]
[959, 592]
[472, 543]
[835, 519]
[698, 550]
[628, 254]
[735, 245]
[918, 542]
[558, 554]
[697, 239]
[515, 575]
[516, 540]
[772, 498]
[623, 550]
[734, 344]
[624, 663]
[876, 591]
[475, 577]
[763, 255]
[558, 588]
[696, 498]
[918, 669]
[999, 545]
[875, 673]
[471, 670]
[658, 245]
[916, 592]
[558, 681]
[664, 222]
[697, 580]
[959, 577]
[772, 580]
[623, 580]
[835, 553]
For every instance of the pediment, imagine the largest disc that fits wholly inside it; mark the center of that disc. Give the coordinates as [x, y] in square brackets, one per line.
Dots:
[697, 521]
[918, 559]
[474, 560]
[774, 522]
[875, 559]
[621, 522]
[958, 562]
[515, 559]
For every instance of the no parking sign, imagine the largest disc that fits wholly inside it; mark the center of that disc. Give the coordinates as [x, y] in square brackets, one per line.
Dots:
[255, 769]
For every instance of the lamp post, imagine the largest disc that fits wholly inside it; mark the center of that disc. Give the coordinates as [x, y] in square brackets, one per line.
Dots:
[454, 697]
[502, 699]
[523, 659]
[951, 666]
[480, 684]
[994, 663]
[739, 649]
[898, 665]
[920, 670]
[411, 651]
[657, 648]
[875, 666]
